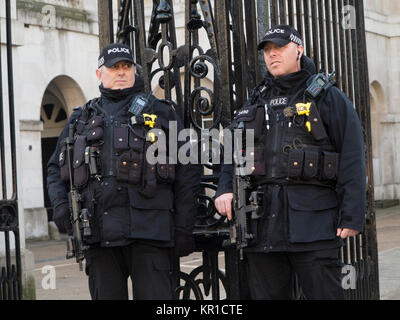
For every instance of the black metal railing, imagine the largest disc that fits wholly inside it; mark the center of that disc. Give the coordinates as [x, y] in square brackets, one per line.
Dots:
[233, 29]
[10, 275]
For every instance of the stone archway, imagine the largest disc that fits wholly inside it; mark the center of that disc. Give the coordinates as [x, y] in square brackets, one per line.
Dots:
[61, 96]
[67, 91]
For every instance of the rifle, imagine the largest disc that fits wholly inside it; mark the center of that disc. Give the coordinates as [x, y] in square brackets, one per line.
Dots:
[79, 217]
[247, 206]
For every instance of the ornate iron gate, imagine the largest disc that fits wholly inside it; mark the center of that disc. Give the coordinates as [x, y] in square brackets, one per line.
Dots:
[10, 277]
[334, 36]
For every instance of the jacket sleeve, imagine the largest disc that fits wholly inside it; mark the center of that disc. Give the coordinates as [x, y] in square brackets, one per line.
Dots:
[346, 134]
[186, 193]
[225, 180]
[186, 186]
[57, 189]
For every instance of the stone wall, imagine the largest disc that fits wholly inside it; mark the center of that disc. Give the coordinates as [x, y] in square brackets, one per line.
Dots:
[383, 45]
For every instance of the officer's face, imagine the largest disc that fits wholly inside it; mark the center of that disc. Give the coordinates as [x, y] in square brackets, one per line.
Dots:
[119, 76]
[282, 61]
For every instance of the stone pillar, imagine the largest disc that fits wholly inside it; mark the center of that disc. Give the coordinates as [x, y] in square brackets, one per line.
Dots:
[35, 215]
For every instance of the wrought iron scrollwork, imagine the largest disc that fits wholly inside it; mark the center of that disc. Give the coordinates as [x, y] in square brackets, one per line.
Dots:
[10, 277]
[198, 105]
[11, 274]
[189, 289]
[8, 216]
[209, 276]
[208, 217]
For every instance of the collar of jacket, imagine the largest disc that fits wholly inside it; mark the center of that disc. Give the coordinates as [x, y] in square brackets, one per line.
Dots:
[293, 82]
[118, 95]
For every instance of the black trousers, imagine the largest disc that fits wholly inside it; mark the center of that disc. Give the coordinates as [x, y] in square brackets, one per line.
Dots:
[270, 275]
[148, 267]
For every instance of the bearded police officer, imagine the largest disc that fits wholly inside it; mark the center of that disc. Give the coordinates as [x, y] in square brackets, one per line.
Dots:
[133, 212]
[310, 170]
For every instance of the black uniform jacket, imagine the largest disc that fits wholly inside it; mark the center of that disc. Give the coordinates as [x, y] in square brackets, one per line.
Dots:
[301, 217]
[120, 213]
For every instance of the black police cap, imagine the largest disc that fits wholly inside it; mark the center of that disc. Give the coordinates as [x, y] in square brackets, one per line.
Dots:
[114, 53]
[281, 35]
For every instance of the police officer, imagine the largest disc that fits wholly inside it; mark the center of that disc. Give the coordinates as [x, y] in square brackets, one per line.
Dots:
[137, 211]
[309, 164]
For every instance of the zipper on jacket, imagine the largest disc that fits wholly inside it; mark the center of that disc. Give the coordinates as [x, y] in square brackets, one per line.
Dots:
[111, 172]
[275, 145]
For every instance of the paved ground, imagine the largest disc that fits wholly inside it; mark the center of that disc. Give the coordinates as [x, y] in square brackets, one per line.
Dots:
[71, 284]
[388, 233]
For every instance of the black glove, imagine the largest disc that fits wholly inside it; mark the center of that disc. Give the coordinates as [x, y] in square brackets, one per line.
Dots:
[61, 217]
[184, 243]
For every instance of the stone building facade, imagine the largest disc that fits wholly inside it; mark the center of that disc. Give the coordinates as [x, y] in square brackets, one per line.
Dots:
[383, 45]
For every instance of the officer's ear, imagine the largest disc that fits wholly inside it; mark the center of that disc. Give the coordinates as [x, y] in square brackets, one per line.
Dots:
[300, 52]
[99, 74]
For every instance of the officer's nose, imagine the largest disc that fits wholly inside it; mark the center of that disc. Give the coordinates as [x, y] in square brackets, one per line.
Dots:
[121, 70]
[272, 52]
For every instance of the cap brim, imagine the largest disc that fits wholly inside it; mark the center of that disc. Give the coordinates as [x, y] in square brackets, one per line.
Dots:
[112, 62]
[280, 42]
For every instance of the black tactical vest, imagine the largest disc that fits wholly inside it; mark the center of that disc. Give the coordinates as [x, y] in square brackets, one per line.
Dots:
[110, 146]
[284, 150]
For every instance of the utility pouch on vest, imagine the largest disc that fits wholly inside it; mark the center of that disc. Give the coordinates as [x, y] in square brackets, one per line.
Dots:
[95, 129]
[137, 139]
[330, 165]
[311, 164]
[96, 121]
[63, 163]
[165, 173]
[129, 168]
[295, 165]
[123, 167]
[259, 163]
[121, 140]
[150, 181]
[81, 174]
[95, 135]
[317, 127]
[135, 167]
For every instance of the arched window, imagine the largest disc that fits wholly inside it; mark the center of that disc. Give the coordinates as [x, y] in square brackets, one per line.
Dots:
[54, 119]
